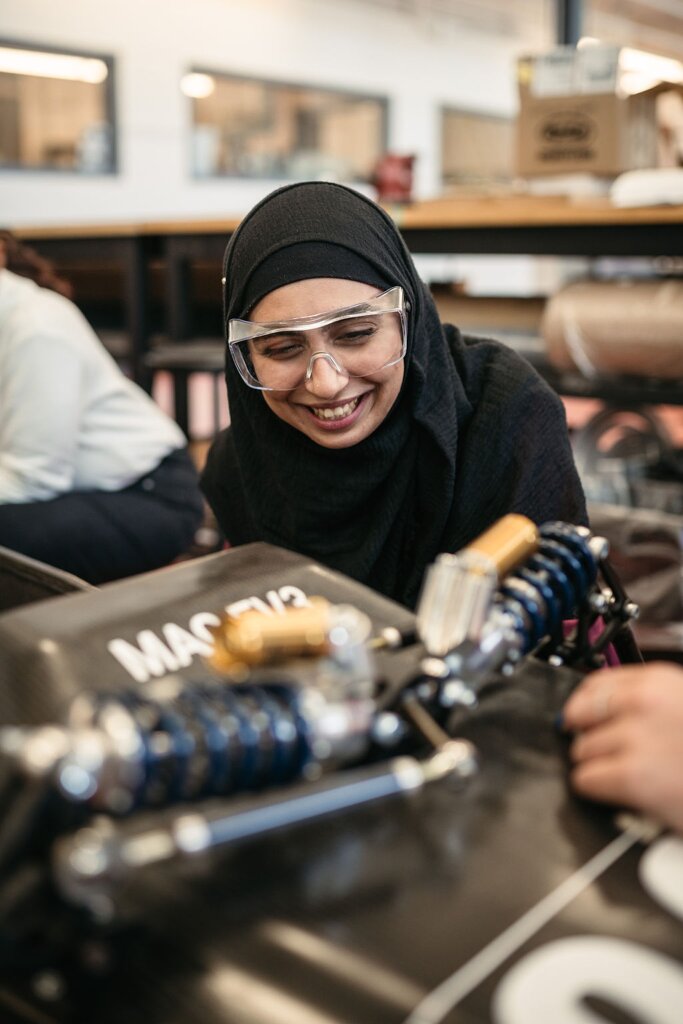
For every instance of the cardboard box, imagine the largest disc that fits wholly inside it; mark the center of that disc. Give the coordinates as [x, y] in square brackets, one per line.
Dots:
[575, 118]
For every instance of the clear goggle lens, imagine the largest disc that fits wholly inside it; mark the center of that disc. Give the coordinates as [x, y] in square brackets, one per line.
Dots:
[357, 341]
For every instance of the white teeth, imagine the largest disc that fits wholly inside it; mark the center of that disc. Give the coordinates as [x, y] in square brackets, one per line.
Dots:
[337, 412]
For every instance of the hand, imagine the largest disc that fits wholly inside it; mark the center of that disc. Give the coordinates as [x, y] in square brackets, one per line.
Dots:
[629, 744]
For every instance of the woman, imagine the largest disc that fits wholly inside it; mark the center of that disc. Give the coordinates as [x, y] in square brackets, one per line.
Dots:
[371, 464]
[94, 478]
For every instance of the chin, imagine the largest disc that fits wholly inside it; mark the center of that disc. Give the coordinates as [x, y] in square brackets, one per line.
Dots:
[338, 442]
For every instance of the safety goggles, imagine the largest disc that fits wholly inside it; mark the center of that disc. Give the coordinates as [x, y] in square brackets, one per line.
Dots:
[357, 341]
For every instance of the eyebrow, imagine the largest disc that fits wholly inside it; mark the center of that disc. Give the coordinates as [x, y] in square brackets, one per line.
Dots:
[284, 333]
[298, 332]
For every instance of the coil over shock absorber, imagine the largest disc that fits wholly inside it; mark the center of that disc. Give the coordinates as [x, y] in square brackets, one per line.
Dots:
[183, 742]
[550, 586]
[179, 741]
[511, 591]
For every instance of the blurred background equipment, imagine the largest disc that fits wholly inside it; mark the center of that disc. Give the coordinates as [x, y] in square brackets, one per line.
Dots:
[393, 178]
[592, 109]
[622, 327]
[625, 457]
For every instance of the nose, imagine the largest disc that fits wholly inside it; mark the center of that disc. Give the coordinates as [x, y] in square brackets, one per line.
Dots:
[325, 378]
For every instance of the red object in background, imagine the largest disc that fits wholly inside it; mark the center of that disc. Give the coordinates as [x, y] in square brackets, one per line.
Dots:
[393, 178]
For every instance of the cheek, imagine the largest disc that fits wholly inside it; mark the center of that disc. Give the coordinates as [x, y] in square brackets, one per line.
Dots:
[276, 405]
[392, 386]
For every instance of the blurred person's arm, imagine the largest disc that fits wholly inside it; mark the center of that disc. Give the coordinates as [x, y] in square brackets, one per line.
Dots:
[40, 411]
[628, 747]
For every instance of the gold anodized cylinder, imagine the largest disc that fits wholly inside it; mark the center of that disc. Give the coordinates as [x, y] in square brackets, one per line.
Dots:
[256, 638]
[507, 543]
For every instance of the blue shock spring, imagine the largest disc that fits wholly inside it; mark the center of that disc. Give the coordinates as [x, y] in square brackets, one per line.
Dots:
[212, 739]
[550, 586]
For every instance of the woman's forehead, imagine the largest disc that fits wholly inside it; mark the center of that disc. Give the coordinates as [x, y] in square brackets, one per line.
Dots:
[311, 297]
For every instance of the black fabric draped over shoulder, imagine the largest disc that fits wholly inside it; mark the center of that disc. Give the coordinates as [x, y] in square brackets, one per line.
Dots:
[473, 434]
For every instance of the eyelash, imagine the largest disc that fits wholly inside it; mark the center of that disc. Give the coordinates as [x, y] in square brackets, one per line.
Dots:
[273, 353]
[360, 333]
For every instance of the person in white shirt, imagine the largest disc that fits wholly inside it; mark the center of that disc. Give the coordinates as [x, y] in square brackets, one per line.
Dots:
[94, 478]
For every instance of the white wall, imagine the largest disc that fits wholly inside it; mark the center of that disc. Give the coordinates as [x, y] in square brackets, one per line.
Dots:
[418, 62]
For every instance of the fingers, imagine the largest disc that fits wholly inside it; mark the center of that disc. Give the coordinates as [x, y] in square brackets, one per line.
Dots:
[614, 692]
[628, 747]
[593, 702]
[605, 779]
[602, 741]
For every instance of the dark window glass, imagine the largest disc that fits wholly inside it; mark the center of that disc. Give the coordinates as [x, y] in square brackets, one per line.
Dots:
[56, 110]
[257, 129]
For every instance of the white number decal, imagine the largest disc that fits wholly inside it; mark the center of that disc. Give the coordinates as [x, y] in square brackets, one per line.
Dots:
[661, 875]
[551, 984]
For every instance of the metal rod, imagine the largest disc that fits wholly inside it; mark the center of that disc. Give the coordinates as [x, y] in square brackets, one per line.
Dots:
[569, 20]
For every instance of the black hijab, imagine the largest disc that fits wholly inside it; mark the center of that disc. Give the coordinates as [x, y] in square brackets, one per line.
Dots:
[380, 510]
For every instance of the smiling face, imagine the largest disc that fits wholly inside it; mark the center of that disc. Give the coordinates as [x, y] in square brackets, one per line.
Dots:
[334, 410]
